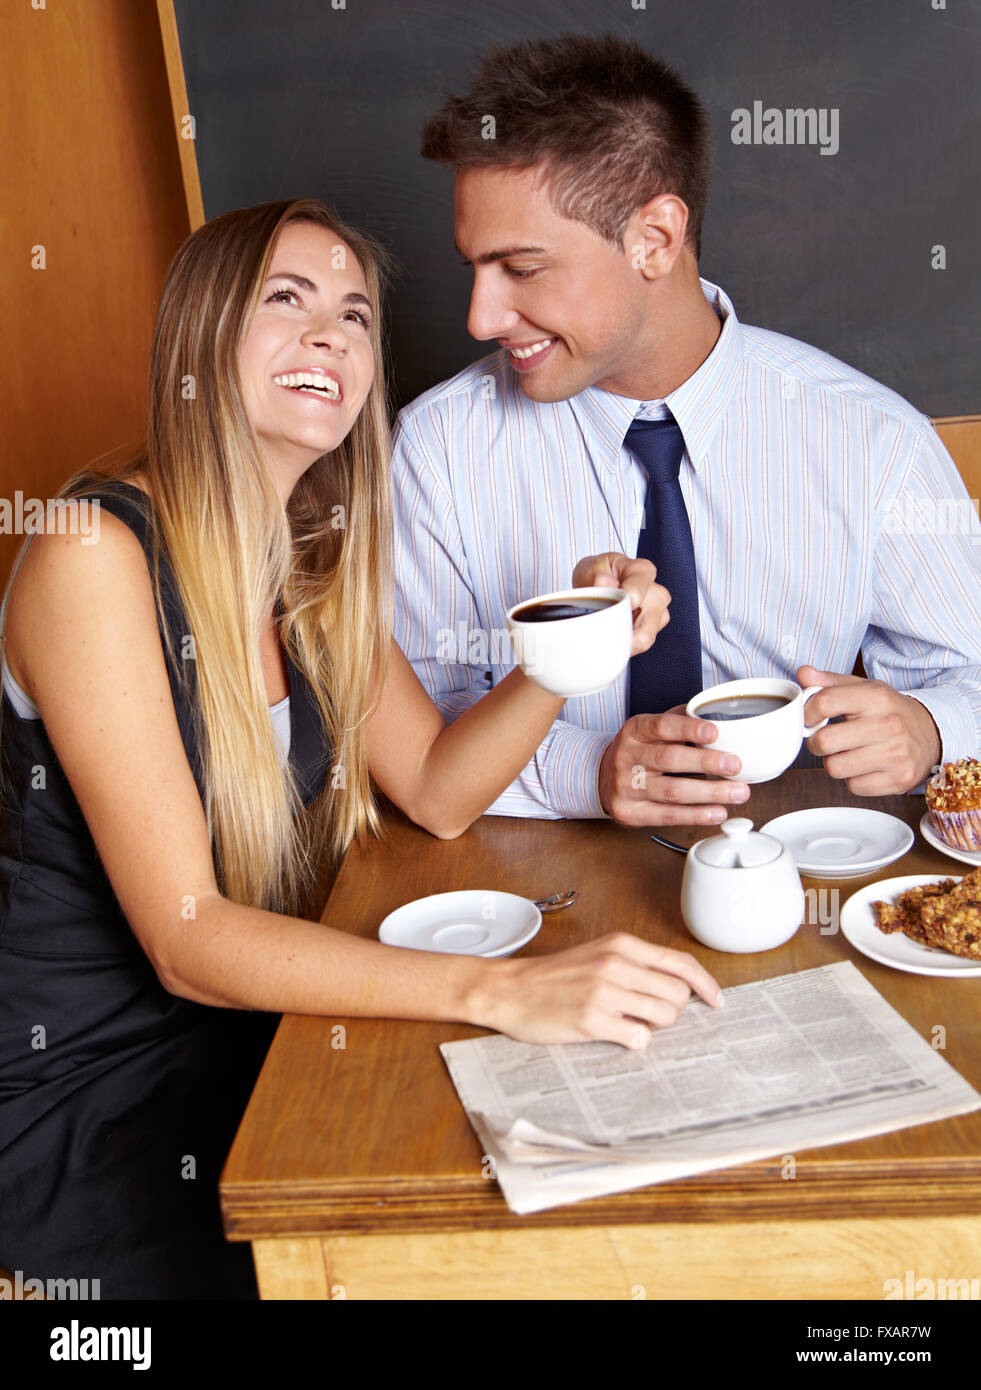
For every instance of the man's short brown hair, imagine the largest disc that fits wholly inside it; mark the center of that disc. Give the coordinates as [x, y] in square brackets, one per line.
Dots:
[612, 126]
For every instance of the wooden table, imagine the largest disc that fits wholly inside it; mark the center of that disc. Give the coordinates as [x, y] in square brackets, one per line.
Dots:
[356, 1174]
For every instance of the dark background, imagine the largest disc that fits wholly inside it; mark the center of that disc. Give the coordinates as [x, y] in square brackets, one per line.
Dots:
[294, 97]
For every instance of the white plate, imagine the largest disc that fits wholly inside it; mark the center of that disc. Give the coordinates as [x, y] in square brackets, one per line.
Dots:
[966, 856]
[841, 841]
[463, 924]
[895, 948]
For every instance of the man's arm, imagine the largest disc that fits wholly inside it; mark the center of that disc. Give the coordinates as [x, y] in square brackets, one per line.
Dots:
[922, 650]
[925, 633]
[452, 648]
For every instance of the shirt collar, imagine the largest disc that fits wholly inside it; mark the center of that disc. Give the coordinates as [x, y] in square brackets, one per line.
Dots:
[698, 404]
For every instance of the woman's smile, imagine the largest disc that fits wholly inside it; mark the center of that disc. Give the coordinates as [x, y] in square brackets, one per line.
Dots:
[319, 382]
[310, 336]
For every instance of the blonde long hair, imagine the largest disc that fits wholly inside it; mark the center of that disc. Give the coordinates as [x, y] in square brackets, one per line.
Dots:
[235, 550]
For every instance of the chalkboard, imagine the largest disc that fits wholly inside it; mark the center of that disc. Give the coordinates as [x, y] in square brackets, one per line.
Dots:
[869, 252]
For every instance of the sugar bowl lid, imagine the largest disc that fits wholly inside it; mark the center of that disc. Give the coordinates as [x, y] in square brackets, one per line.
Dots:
[738, 847]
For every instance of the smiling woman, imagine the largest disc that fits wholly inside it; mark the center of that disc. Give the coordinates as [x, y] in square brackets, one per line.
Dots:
[214, 701]
[303, 391]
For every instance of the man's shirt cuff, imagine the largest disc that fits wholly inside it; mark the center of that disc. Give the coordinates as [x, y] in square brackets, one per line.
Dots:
[570, 771]
[955, 720]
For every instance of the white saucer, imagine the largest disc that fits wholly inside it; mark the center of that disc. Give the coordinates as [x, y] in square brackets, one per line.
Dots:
[858, 925]
[966, 856]
[841, 841]
[463, 924]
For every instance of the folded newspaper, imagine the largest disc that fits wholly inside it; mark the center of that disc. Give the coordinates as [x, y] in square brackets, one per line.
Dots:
[791, 1063]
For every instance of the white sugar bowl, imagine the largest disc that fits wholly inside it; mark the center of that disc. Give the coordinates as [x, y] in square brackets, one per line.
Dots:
[741, 890]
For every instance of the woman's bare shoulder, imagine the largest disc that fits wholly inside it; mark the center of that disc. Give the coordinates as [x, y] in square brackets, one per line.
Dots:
[84, 629]
[62, 574]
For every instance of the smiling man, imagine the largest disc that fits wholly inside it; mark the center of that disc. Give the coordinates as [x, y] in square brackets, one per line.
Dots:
[627, 409]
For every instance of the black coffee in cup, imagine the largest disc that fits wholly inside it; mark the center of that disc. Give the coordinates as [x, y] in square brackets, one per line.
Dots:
[740, 707]
[553, 610]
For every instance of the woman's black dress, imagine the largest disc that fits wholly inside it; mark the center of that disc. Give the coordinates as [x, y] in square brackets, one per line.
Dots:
[118, 1101]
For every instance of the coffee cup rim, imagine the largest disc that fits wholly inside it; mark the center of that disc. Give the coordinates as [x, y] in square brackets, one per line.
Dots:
[567, 596]
[717, 692]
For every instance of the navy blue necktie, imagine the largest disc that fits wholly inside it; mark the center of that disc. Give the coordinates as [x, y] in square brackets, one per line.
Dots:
[670, 672]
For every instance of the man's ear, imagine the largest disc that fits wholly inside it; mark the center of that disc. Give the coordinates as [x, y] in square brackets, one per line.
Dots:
[655, 235]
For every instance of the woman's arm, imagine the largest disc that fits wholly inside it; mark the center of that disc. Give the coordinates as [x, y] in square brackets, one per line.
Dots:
[446, 775]
[82, 632]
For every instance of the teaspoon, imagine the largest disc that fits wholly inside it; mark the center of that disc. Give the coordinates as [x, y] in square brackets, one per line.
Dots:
[669, 844]
[557, 901]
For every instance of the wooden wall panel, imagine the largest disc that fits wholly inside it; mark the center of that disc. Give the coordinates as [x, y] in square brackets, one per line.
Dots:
[961, 436]
[93, 176]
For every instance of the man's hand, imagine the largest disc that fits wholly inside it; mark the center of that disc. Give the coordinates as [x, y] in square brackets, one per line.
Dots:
[887, 742]
[649, 601]
[633, 786]
[634, 789]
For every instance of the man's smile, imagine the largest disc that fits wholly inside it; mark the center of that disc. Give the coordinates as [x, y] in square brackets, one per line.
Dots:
[526, 356]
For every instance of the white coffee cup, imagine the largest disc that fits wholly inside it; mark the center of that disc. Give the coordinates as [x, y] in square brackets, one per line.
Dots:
[766, 744]
[579, 655]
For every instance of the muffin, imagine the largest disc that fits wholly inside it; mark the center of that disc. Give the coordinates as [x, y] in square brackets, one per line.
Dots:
[953, 798]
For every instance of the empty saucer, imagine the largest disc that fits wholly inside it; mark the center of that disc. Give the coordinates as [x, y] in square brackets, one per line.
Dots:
[463, 924]
[841, 841]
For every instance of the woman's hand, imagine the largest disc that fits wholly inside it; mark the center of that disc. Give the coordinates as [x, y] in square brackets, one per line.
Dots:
[648, 600]
[616, 989]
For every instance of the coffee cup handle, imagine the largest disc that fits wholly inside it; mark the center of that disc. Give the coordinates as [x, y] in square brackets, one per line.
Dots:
[812, 690]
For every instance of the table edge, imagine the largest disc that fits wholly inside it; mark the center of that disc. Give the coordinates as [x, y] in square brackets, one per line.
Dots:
[253, 1211]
